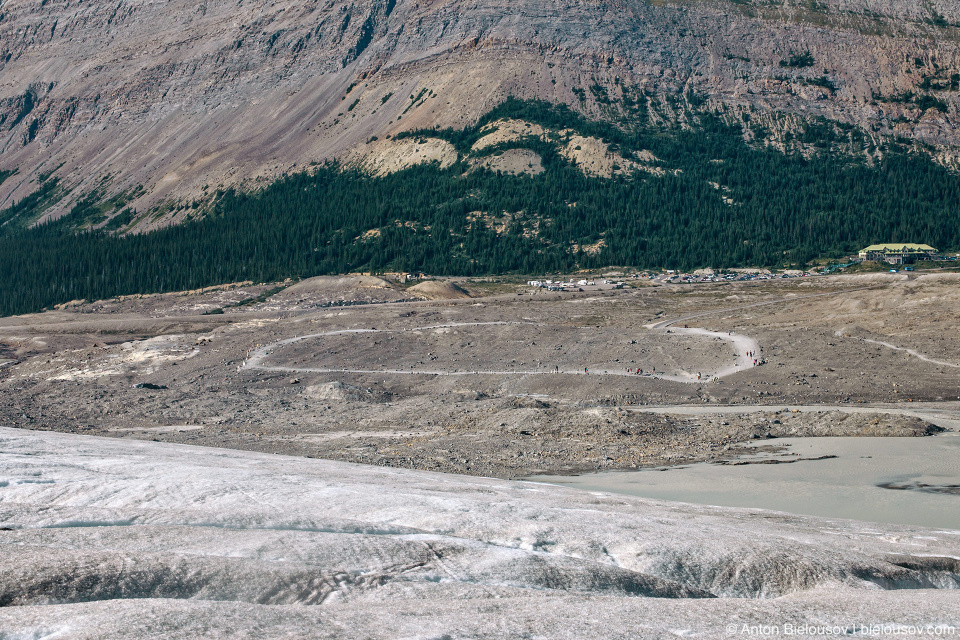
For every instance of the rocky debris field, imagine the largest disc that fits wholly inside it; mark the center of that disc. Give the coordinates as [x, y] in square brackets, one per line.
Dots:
[470, 385]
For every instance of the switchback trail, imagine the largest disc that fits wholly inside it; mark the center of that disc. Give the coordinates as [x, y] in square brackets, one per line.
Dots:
[742, 345]
[741, 362]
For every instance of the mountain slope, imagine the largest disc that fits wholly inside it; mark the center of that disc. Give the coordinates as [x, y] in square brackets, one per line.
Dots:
[532, 188]
[175, 98]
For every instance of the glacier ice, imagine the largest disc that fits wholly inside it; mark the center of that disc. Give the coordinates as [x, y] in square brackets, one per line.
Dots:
[105, 538]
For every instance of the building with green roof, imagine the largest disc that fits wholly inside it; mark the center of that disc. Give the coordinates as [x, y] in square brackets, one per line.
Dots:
[898, 253]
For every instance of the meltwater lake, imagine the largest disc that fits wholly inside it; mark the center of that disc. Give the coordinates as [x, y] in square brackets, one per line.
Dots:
[910, 481]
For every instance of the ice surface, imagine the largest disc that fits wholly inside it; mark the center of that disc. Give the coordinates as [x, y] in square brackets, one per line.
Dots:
[103, 538]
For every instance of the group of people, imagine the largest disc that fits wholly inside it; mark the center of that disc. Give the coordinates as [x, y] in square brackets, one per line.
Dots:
[639, 372]
[757, 361]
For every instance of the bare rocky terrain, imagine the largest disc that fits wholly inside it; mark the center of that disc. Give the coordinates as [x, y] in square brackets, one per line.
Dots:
[492, 385]
[135, 529]
[162, 103]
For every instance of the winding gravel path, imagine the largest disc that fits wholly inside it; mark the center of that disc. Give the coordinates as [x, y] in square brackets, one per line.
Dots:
[742, 345]
[741, 362]
[915, 354]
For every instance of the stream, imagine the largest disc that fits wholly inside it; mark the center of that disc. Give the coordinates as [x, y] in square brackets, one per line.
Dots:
[910, 481]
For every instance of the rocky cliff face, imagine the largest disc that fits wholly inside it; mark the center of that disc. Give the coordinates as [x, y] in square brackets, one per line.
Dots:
[183, 97]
